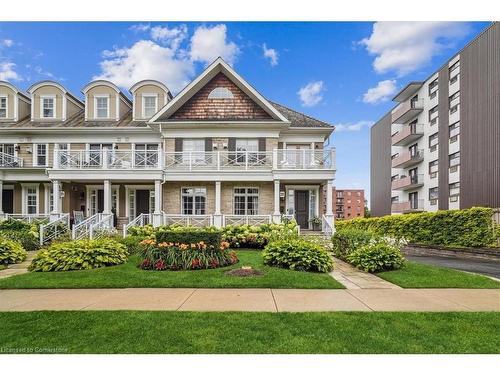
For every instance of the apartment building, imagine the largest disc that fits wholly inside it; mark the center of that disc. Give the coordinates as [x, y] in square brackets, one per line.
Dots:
[348, 204]
[217, 153]
[439, 147]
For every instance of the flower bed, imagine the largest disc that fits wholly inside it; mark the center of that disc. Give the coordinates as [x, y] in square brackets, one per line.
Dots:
[185, 255]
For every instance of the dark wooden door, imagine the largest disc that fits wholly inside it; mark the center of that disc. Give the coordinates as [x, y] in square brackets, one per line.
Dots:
[100, 200]
[302, 208]
[8, 201]
[142, 202]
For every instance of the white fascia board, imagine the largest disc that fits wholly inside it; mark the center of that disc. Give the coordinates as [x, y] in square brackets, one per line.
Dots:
[304, 175]
[218, 176]
[25, 175]
[105, 174]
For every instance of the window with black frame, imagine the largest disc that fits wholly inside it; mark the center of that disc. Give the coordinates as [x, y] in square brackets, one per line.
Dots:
[194, 200]
[246, 201]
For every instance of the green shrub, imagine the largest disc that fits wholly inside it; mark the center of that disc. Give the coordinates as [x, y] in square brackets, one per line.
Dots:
[345, 241]
[189, 235]
[146, 231]
[11, 251]
[79, 255]
[471, 227]
[133, 244]
[27, 239]
[184, 256]
[299, 255]
[258, 236]
[376, 257]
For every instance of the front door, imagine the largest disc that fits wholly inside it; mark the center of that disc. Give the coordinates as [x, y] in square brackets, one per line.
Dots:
[100, 200]
[142, 202]
[8, 201]
[302, 208]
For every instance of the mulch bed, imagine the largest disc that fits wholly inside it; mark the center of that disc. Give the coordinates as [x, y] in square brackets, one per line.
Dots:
[240, 272]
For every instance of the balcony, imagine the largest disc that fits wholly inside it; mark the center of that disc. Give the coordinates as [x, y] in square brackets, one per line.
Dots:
[408, 134]
[408, 182]
[407, 111]
[408, 159]
[192, 161]
[408, 206]
[10, 161]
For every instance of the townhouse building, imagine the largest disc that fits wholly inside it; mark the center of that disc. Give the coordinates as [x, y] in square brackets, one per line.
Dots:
[217, 153]
[439, 147]
[348, 203]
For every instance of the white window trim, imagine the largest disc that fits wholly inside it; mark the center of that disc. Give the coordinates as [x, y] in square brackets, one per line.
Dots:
[6, 106]
[24, 193]
[245, 187]
[128, 190]
[302, 187]
[143, 101]
[54, 98]
[100, 96]
[194, 187]
[35, 155]
[115, 188]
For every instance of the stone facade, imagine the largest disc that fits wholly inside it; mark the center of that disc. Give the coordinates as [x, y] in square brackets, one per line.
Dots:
[200, 107]
[172, 196]
[266, 196]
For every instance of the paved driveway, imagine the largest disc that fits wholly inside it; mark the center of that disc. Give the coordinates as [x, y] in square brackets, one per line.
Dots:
[484, 267]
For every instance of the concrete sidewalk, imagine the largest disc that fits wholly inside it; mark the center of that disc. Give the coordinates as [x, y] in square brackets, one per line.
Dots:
[272, 300]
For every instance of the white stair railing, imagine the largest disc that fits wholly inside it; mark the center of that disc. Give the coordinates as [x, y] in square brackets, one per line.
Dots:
[327, 226]
[82, 229]
[54, 229]
[103, 226]
[139, 221]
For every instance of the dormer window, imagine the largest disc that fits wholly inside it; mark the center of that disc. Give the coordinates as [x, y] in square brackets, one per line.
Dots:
[101, 106]
[48, 106]
[3, 107]
[149, 105]
[220, 93]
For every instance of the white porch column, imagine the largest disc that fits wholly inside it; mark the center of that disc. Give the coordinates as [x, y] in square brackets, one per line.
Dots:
[276, 212]
[107, 197]
[157, 216]
[1, 199]
[329, 197]
[56, 195]
[218, 217]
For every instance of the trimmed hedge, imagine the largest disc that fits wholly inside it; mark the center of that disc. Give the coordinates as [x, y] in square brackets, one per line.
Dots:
[190, 235]
[471, 227]
[11, 251]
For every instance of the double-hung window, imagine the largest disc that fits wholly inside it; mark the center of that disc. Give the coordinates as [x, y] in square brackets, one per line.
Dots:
[41, 155]
[102, 106]
[454, 102]
[454, 131]
[246, 147]
[31, 200]
[246, 201]
[433, 142]
[433, 168]
[194, 201]
[454, 161]
[48, 104]
[433, 115]
[454, 191]
[433, 195]
[433, 88]
[149, 105]
[3, 107]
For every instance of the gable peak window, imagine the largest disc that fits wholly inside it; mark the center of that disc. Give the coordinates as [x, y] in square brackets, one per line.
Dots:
[149, 105]
[221, 93]
[48, 106]
[101, 106]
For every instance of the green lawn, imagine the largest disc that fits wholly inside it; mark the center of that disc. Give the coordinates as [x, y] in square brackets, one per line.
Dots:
[129, 276]
[418, 275]
[192, 332]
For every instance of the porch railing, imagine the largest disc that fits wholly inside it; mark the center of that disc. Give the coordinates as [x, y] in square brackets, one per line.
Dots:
[10, 161]
[29, 218]
[107, 159]
[188, 220]
[54, 229]
[305, 159]
[82, 229]
[218, 160]
[247, 219]
[139, 221]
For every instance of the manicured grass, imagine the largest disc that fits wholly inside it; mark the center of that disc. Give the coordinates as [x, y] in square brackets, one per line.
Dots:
[129, 276]
[418, 275]
[192, 332]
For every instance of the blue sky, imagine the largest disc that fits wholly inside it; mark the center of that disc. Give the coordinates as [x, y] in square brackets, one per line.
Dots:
[340, 72]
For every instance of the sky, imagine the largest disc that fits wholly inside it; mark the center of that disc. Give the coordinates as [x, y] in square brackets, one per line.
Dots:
[340, 72]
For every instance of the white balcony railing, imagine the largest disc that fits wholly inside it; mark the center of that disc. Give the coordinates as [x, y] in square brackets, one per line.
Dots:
[106, 159]
[247, 219]
[305, 159]
[188, 220]
[10, 161]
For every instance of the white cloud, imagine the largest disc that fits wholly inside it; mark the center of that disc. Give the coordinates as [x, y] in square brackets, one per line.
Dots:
[140, 27]
[404, 47]
[6, 42]
[380, 93]
[353, 127]
[8, 72]
[208, 43]
[145, 60]
[172, 37]
[310, 94]
[271, 54]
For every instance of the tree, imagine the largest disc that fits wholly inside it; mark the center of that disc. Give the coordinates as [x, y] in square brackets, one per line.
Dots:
[367, 210]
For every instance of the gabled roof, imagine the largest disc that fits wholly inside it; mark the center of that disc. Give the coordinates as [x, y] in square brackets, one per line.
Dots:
[151, 82]
[218, 66]
[103, 82]
[300, 120]
[35, 86]
[15, 89]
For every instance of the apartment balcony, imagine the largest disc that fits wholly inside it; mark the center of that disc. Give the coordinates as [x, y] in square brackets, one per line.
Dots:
[408, 182]
[406, 111]
[408, 206]
[407, 135]
[10, 161]
[408, 159]
[195, 161]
